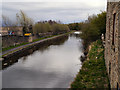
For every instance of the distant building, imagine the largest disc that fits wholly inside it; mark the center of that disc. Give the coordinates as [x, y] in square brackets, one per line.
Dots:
[15, 30]
[2, 33]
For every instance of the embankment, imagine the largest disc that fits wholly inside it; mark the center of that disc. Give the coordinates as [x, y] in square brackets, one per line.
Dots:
[93, 73]
[13, 55]
[12, 40]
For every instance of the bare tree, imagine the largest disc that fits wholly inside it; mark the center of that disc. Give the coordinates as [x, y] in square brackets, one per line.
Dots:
[7, 22]
[24, 21]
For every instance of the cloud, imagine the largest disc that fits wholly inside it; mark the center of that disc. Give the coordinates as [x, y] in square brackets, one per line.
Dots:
[65, 11]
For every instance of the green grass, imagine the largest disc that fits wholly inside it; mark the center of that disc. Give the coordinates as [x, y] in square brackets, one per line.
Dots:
[11, 47]
[93, 73]
[43, 38]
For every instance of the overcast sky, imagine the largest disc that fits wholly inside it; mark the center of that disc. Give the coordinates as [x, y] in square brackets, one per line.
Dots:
[67, 11]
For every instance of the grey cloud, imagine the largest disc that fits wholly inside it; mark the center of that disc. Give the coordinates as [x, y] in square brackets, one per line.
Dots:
[66, 12]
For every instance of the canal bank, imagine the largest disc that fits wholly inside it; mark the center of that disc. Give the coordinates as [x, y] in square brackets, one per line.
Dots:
[27, 45]
[93, 73]
[52, 65]
[9, 57]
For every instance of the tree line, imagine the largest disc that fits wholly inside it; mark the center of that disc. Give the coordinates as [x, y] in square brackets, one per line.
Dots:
[50, 26]
[92, 28]
[35, 28]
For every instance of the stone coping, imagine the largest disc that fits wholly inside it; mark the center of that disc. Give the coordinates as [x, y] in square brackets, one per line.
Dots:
[113, 0]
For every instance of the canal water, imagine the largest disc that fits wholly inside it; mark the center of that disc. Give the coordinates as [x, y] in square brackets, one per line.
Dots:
[51, 66]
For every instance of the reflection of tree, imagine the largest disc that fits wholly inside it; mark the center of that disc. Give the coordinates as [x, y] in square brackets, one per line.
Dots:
[43, 48]
[75, 35]
[82, 58]
[29, 51]
[25, 58]
[56, 41]
[60, 41]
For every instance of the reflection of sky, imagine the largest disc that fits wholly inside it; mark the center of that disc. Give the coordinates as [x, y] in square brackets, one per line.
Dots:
[57, 54]
[55, 67]
[64, 10]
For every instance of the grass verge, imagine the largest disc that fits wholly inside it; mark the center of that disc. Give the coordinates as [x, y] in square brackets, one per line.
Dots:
[93, 73]
[11, 47]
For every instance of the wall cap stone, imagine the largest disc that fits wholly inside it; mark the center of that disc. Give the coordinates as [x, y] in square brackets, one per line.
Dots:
[113, 0]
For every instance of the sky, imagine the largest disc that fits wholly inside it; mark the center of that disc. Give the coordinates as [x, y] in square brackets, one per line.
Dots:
[67, 11]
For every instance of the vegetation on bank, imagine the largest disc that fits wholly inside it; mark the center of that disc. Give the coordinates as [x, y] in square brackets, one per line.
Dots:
[11, 47]
[36, 28]
[93, 73]
[41, 29]
[92, 28]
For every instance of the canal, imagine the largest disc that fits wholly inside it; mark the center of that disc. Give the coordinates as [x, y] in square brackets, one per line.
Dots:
[53, 65]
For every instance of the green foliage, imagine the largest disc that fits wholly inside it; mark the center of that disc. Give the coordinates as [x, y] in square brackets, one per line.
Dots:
[60, 28]
[100, 22]
[75, 26]
[56, 28]
[96, 24]
[90, 32]
[41, 28]
[11, 47]
[93, 28]
[93, 73]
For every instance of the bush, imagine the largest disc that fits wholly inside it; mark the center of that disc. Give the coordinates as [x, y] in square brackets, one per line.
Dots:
[93, 28]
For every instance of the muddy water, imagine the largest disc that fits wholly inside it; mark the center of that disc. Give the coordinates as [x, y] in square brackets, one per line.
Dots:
[51, 66]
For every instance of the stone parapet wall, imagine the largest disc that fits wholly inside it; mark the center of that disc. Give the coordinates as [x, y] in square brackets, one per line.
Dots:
[14, 40]
[112, 51]
[11, 40]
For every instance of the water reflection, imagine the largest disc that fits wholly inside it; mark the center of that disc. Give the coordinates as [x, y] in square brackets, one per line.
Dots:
[53, 65]
[41, 47]
[76, 35]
